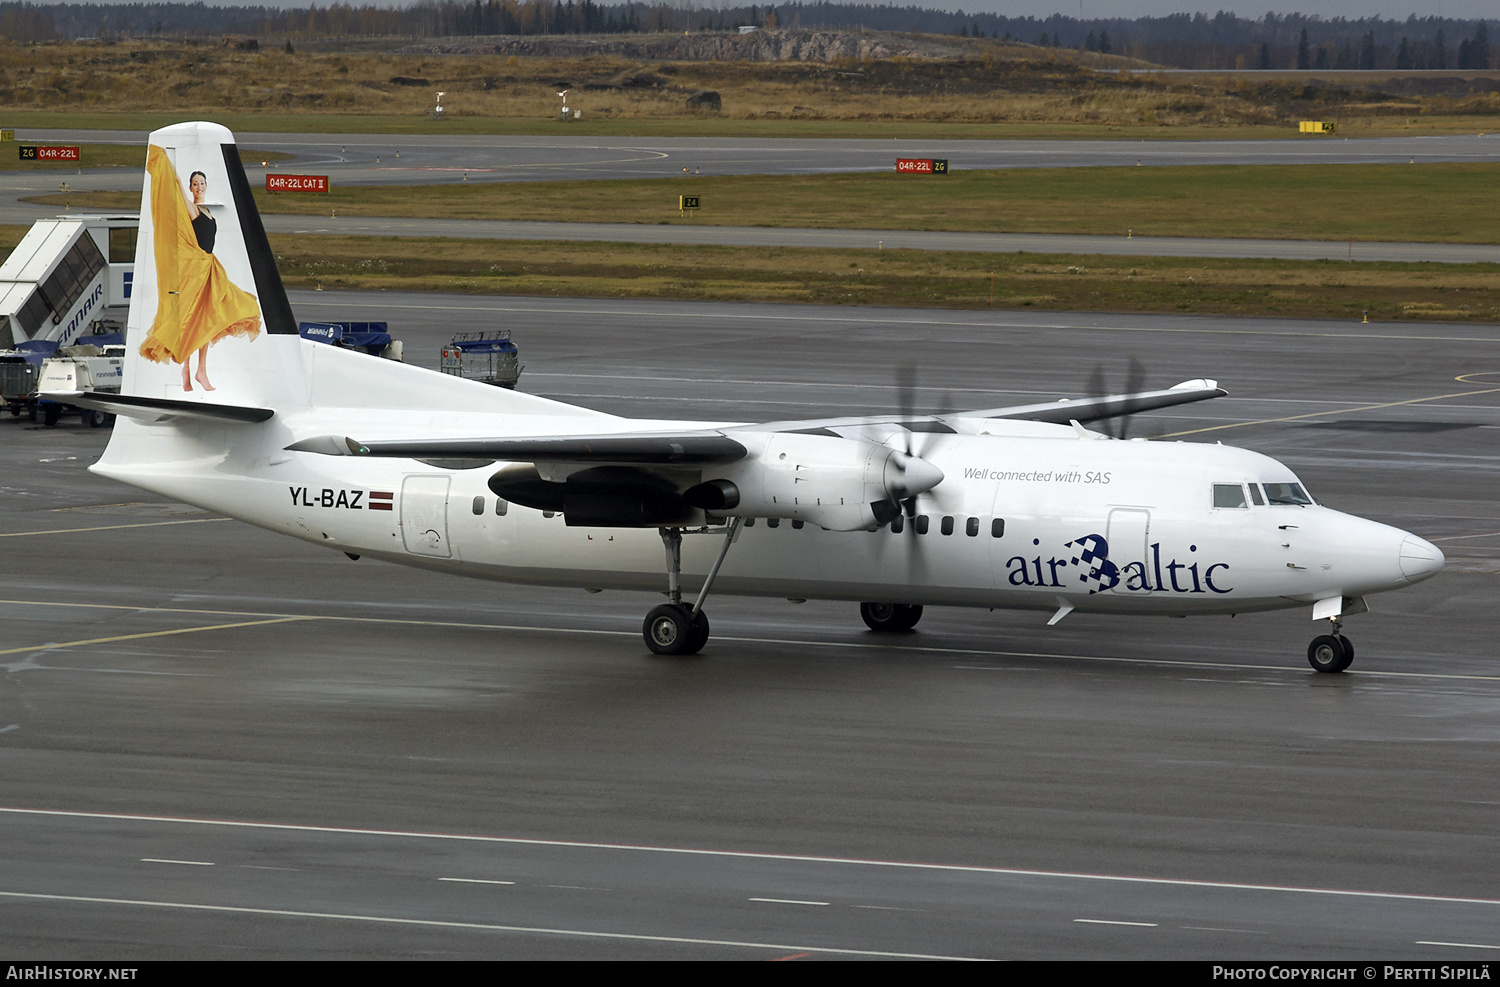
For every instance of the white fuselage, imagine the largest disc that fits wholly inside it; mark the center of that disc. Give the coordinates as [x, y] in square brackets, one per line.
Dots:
[1042, 516]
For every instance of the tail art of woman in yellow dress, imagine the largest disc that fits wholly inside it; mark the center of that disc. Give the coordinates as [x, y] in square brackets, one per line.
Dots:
[197, 304]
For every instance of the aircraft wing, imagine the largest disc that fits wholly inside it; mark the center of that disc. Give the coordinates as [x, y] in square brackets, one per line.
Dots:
[1062, 411]
[642, 449]
[1085, 410]
[713, 446]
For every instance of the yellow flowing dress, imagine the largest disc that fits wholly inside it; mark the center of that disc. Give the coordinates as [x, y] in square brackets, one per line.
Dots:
[196, 303]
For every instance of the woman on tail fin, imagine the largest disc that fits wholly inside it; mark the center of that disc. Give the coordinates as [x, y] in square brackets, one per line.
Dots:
[197, 304]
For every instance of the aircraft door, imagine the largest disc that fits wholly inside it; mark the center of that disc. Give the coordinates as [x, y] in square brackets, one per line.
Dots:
[424, 516]
[1129, 537]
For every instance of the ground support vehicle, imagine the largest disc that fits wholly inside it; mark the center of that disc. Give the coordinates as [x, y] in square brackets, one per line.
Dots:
[95, 365]
[373, 338]
[68, 280]
[488, 357]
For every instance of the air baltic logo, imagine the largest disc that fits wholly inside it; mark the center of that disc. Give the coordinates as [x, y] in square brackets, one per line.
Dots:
[1089, 559]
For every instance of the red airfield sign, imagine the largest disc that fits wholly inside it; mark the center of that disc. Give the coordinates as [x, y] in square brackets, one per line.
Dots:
[922, 166]
[296, 183]
[42, 152]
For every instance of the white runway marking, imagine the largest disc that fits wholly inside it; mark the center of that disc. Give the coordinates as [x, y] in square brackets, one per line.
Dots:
[1105, 921]
[474, 926]
[886, 648]
[1461, 945]
[753, 855]
[111, 527]
[189, 863]
[887, 319]
[787, 901]
[473, 880]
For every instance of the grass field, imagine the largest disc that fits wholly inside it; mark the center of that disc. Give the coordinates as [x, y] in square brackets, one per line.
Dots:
[1449, 203]
[993, 90]
[903, 278]
[690, 125]
[1286, 289]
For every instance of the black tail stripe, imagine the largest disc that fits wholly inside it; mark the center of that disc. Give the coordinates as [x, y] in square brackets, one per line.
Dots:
[273, 302]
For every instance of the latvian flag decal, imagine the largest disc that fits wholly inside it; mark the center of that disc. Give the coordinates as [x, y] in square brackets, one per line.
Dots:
[380, 500]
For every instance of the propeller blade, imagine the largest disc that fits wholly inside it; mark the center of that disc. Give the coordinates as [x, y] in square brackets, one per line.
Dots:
[907, 474]
[906, 397]
[1135, 382]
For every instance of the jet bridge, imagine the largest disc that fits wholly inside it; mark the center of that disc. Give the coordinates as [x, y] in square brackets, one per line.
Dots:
[69, 278]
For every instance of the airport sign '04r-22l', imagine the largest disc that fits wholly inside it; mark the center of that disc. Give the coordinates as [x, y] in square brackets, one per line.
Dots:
[38, 152]
[922, 166]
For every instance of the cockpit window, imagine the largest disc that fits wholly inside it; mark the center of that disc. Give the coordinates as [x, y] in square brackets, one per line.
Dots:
[1229, 495]
[1255, 496]
[1287, 494]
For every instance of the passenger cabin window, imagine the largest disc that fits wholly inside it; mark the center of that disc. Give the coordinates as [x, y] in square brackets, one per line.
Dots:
[798, 524]
[501, 506]
[921, 523]
[997, 528]
[478, 505]
[898, 525]
[947, 526]
[972, 528]
[1229, 495]
[773, 522]
[1287, 495]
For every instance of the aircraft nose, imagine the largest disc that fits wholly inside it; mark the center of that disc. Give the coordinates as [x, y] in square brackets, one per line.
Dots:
[1420, 558]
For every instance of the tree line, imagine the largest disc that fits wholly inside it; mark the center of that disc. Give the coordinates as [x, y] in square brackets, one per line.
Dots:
[1221, 41]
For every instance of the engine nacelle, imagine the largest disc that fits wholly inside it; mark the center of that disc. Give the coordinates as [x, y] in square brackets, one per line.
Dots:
[600, 496]
[833, 482]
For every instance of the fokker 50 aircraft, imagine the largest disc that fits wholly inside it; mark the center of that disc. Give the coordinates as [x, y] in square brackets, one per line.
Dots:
[224, 406]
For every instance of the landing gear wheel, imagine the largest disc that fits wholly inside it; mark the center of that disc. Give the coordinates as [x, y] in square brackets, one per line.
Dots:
[1330, 653]
[890, 617]
[699, 635]
[671, 629]
[95, 419]
[50, 414]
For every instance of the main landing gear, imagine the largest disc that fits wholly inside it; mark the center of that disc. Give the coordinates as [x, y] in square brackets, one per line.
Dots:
[890, 617]
[1330, 652]
[674, 628]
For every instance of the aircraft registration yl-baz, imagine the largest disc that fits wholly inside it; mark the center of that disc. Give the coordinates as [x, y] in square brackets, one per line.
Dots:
[1003, 508]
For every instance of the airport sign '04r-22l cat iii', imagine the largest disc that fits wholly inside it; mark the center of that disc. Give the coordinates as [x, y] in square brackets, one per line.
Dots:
[1002, 508]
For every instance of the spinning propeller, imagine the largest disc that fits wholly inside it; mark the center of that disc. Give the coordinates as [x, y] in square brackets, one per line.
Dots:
[907, 474]
[1117, 425]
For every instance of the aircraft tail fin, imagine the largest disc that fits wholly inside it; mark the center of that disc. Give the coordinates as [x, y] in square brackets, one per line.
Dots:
[205, 284]
[214, 366]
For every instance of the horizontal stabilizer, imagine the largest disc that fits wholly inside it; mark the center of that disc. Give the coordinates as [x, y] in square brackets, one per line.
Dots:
[154, 410]
[690, 448]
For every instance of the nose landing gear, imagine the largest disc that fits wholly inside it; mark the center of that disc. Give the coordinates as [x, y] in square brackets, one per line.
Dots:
[1330, 652]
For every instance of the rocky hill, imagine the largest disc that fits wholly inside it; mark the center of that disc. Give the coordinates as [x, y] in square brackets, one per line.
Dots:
[758, 46]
